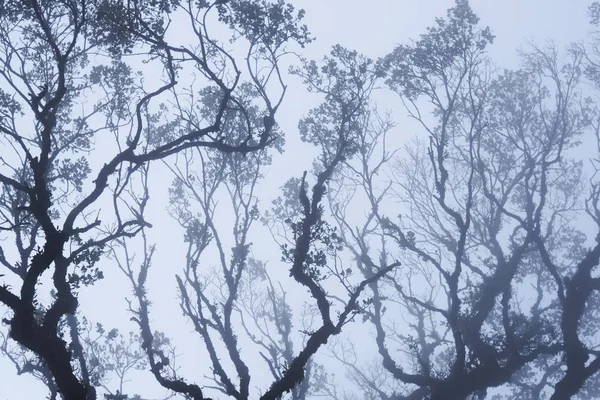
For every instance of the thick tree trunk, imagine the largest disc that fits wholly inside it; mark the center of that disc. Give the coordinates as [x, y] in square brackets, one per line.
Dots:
[52, 350]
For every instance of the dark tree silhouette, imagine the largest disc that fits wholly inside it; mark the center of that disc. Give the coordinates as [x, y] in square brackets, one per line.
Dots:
[473, 262]
[79, 127]
[238, 297]
[497, 227]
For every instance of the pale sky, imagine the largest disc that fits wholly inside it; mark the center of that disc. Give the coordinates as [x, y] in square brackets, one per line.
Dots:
[373, 28]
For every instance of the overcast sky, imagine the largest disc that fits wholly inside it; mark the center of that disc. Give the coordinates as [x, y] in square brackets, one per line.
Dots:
[372, 27]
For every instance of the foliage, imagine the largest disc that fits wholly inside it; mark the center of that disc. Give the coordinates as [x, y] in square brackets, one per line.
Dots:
[473, 264]
[497, 267]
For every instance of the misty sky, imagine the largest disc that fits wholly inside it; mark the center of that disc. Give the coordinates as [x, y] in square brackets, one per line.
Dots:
[371, 27]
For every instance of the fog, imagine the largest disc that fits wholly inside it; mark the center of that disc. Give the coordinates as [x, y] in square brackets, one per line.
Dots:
[262, 200]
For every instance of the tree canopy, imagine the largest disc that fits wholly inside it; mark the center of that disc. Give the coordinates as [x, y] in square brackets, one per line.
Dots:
[456, 262]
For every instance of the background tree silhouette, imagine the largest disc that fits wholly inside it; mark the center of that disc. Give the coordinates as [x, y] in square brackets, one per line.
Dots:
[497, 228]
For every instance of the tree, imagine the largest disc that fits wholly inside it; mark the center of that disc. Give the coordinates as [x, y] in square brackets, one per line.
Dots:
[475, 265]
[212, 298]
[71, 95]
[498, 226]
